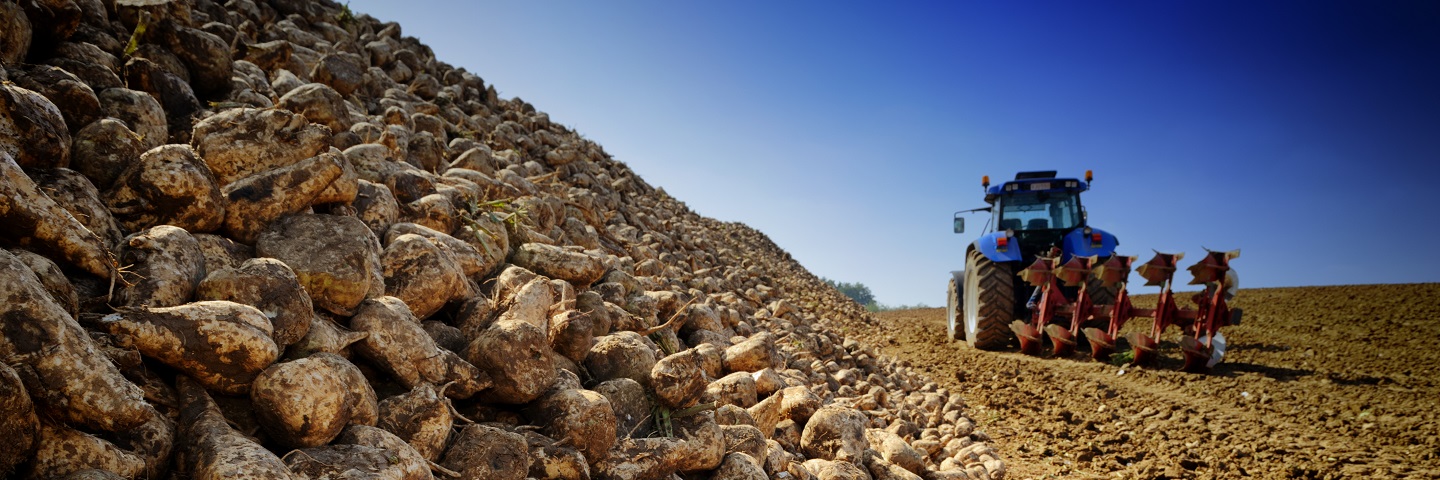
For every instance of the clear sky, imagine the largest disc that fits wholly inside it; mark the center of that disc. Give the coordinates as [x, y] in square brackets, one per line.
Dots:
[1305, 133]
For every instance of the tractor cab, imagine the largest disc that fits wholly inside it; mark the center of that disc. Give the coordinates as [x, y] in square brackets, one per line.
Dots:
[1034, 213]
[1037, 209]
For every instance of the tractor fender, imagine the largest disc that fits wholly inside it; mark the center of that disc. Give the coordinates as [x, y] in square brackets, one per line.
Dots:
[959, 277]
[1076, 243]
[988, 246]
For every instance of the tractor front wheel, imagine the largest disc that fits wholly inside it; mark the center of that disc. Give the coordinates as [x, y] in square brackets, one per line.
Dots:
[989, 302]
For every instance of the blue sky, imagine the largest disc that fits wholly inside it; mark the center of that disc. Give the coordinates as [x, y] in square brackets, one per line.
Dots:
[1305, 133]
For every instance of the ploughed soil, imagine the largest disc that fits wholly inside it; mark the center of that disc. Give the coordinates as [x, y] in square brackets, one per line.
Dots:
[1318, 382]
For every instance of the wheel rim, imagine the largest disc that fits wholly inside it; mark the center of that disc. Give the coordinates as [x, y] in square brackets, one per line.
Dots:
[950, 307]
[972, 317]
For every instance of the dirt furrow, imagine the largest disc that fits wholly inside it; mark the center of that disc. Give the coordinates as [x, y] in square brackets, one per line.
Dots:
[1314, 386]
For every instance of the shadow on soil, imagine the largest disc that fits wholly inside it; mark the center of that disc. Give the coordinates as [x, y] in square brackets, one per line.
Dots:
[1229, 369]
[1260, 348]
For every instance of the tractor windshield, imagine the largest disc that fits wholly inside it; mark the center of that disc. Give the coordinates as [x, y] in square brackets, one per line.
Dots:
[1040, 211]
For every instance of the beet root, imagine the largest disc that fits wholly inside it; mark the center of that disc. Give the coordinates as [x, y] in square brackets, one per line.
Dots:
[63, 370]
[31, 219]
[307, 402]
[223, 345]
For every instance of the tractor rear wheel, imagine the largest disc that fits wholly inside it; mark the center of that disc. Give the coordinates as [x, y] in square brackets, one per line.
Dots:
[1099, 293]
[989, 302]
[953, 300]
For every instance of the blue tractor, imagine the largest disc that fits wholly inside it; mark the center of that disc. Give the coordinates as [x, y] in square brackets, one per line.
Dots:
[1035, 215]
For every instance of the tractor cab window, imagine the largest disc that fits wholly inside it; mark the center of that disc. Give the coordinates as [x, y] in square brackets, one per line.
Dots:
[1040, 211]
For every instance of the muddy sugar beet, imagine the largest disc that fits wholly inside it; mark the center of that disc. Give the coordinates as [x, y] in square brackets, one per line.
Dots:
[281, 239]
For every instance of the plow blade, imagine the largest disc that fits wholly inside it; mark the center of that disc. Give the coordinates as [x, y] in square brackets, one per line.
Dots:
[1062, 342]
[1039, 273]
[1145, 348]
[1115, 270]
[1074, 272]
[1029, 337]
[1102, 345]
[1213, 267]
[1197, 355]
[1160, 269]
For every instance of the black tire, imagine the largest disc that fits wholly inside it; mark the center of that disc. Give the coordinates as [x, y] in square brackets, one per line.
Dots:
[1099, 293]
[989, 302]
[953, 298]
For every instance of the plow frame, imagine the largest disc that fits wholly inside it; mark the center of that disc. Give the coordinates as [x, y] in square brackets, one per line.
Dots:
[1198, 326]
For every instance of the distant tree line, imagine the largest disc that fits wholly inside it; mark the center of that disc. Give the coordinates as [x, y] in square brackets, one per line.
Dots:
[862, 295]
[858, 292]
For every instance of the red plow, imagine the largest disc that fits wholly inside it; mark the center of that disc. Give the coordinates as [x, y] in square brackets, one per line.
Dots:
[1060, 319]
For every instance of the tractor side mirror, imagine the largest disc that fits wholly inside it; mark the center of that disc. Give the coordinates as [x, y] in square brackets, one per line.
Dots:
[959, 223]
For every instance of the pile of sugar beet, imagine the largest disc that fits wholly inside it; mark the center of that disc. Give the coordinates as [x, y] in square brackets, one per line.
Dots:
[281, 240]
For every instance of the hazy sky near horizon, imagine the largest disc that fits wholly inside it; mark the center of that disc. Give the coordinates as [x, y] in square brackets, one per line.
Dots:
[1305, 133]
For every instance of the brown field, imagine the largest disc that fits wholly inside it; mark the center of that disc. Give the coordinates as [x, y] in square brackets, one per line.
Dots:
[1319, 382]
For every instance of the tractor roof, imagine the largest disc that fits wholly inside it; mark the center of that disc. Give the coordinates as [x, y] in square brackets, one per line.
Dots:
[1040, 184]
[1035, 182]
